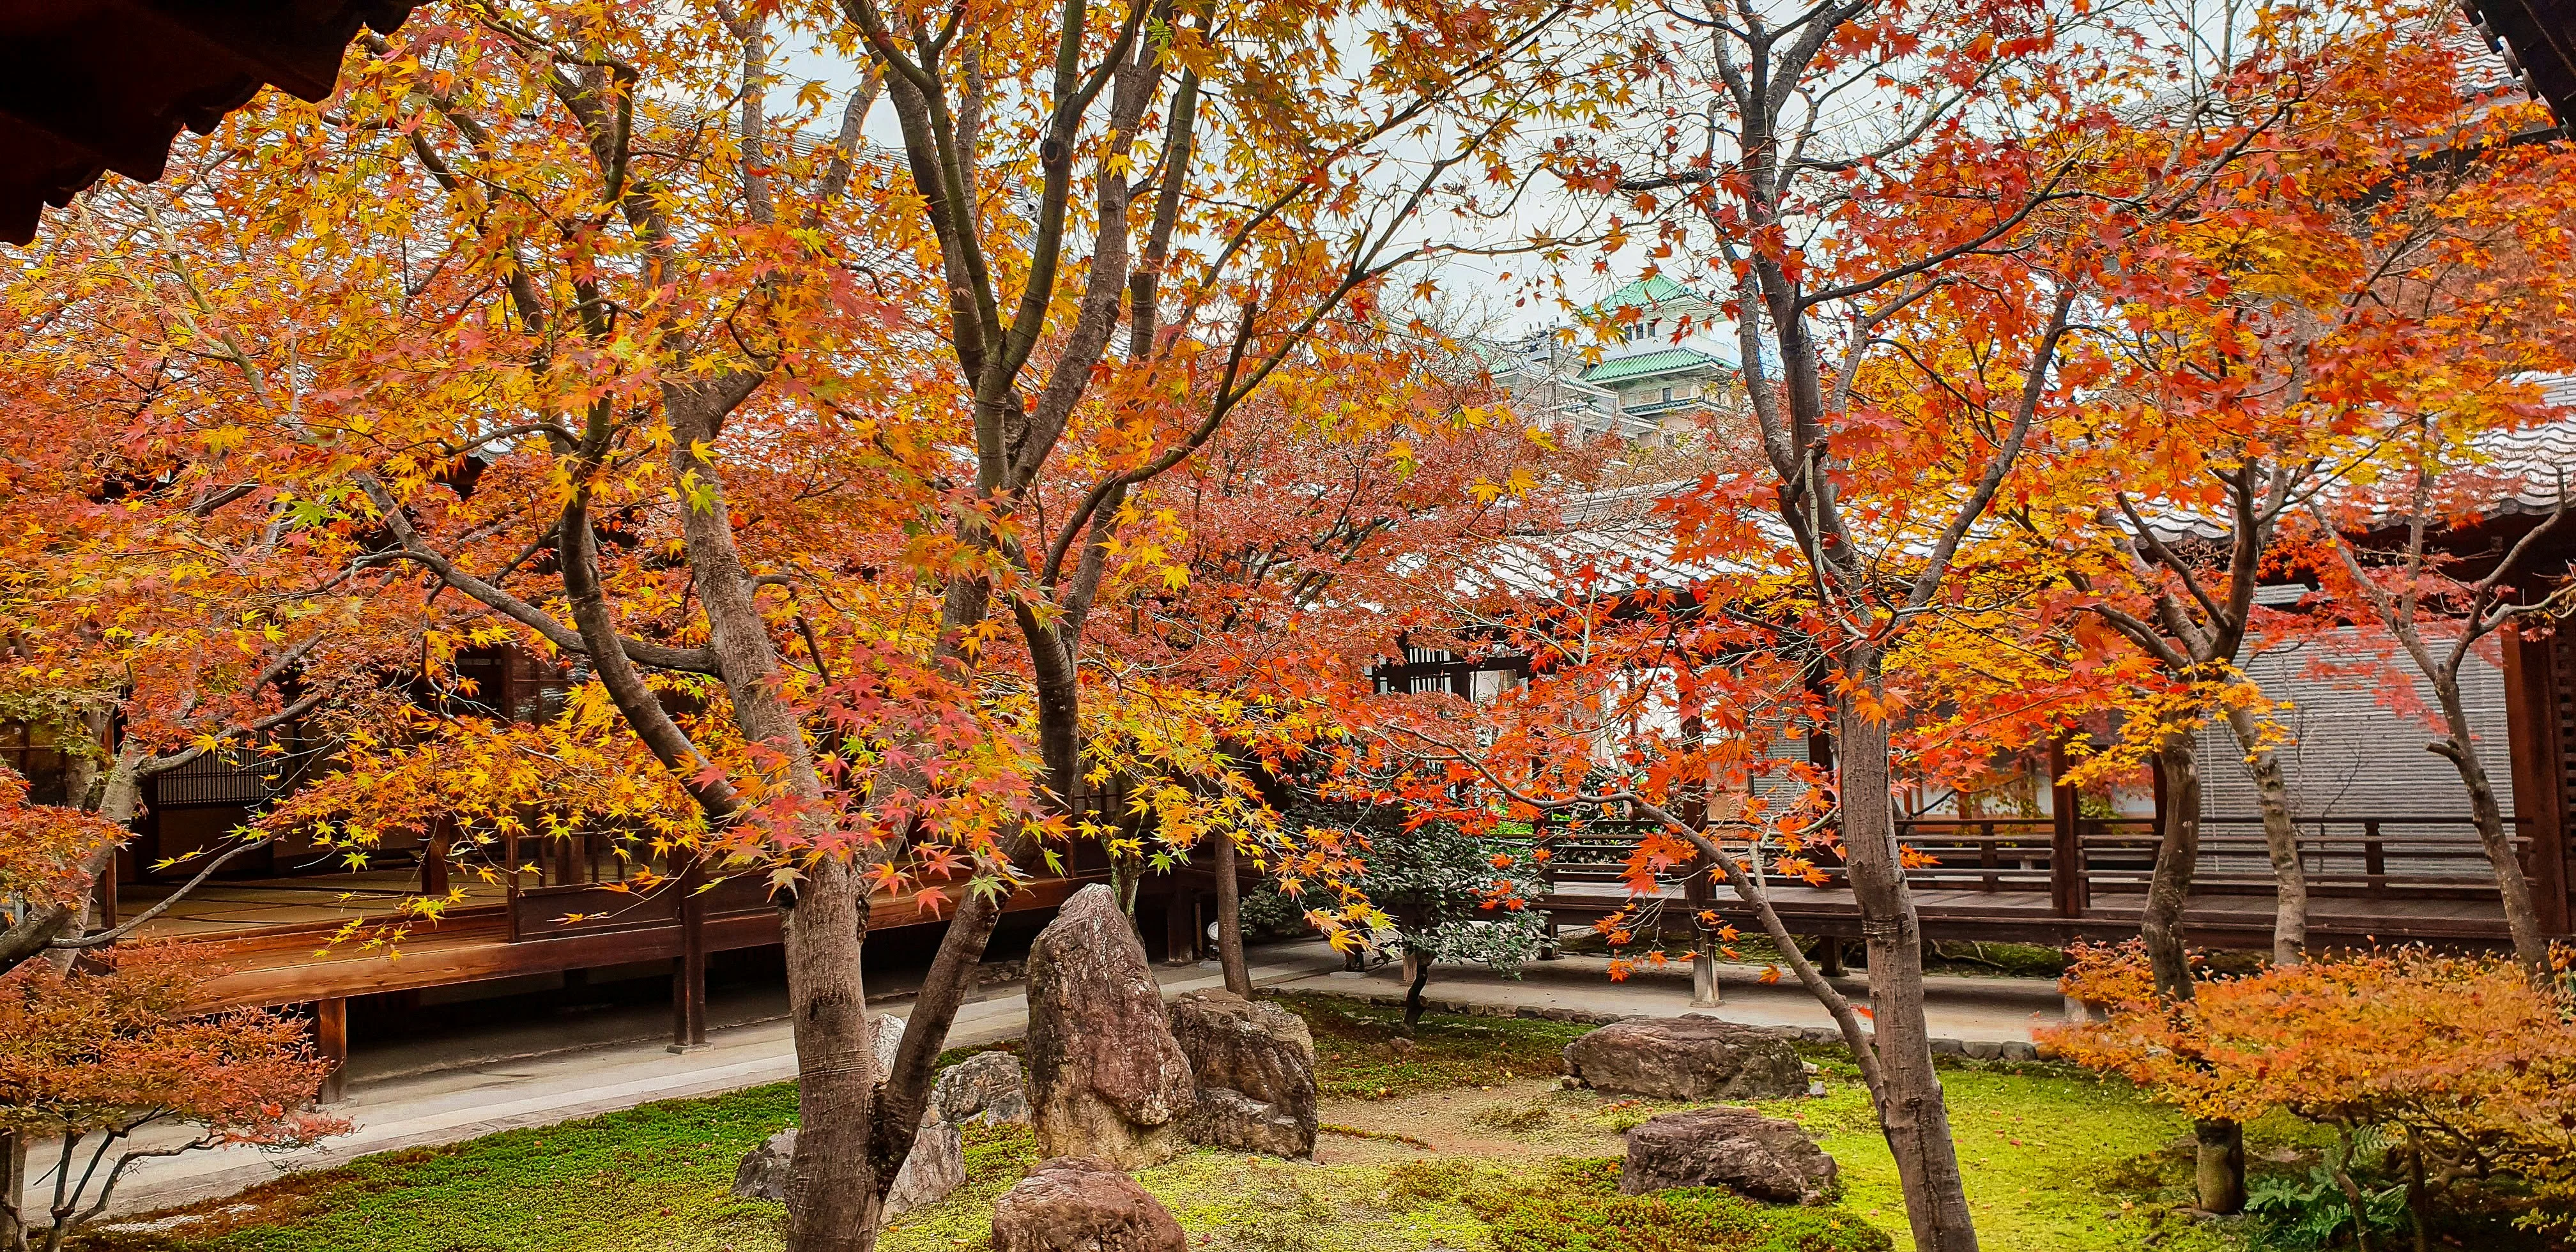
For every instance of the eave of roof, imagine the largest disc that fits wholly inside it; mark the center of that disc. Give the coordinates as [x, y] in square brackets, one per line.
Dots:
[88, 86]
[2538, 39]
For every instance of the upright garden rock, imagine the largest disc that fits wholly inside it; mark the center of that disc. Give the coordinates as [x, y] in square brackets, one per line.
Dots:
[988, 1087]
[1694, 1057]
[935, 1166]
[885, 1038]
[763, 1174]
[1106, 1078]
[1255, 1068]
[1082, 1205]
[1760, 1158]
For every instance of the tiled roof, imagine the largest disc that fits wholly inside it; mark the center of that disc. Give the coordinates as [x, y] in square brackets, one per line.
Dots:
[1648, 292]
[1667, 361]
[2520, 469]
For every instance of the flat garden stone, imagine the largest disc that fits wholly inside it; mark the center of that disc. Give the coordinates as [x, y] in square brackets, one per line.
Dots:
[1693, 1057]
[1760, 1158]
[1082, 1205]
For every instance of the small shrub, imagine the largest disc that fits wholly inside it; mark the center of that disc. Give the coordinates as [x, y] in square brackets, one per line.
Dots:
[1267, 914]
[1412, 1185]
[2314, 1212]
[2459, 1070]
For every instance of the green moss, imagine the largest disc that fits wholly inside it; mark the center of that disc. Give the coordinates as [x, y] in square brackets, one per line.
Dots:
[2055, 1160]
[1577, 1208]
[652, 1179]
[1358, 1057]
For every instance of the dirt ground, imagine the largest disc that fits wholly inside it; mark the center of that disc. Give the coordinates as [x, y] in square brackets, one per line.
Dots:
[1524, 1118]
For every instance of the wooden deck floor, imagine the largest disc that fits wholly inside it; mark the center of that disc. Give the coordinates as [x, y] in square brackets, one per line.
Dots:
[269, 942]
[232, 907]
[2210, 920]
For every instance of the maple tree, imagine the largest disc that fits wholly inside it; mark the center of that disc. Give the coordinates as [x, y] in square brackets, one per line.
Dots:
[814, 458]
[2390, 547]
[1950, 262]
[2466, 1058]
[115, 1064]
[162, 605]
[2298, 320]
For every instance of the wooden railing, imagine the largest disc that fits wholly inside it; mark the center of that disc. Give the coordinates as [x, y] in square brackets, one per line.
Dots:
[2380, 857]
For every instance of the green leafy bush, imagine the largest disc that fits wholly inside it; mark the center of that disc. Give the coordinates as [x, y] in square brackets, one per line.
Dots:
[1267, 914]
[2313, 1212]
[1579, 1209]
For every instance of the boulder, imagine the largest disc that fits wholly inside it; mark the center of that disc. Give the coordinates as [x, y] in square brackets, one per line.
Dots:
[989, 1087]
[1082, 1205]
[1693, 1057]
[935, 1166]
[763, 1174]
[1255, 1069]
[1760, 1158]
[1106, 1078]
[885, 1035]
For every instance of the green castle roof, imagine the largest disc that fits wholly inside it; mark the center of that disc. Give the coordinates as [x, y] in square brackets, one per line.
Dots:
[1649, 292]
[1667, 361]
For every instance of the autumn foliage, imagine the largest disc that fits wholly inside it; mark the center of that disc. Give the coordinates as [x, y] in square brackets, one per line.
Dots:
[2467, 1061]
[112, 1064]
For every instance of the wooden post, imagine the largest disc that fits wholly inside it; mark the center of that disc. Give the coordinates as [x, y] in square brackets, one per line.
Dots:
[1829, 956]
[433, 857]
[2533, 742]
[1180, 928]
[689, 969]
[331, 1040]
[106, 892]
[1696, 895]
[2068, 889]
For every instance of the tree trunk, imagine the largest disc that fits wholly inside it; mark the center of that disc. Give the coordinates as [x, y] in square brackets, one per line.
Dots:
[832, 1191]
[832, 1194]
[2521, 916]
[1413, 992]
[1910, 1108]
[2177, 765]
[2280, 839]
[2218, 1173]
[1229, 920]
[13, 1182]
[2219, 1145]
